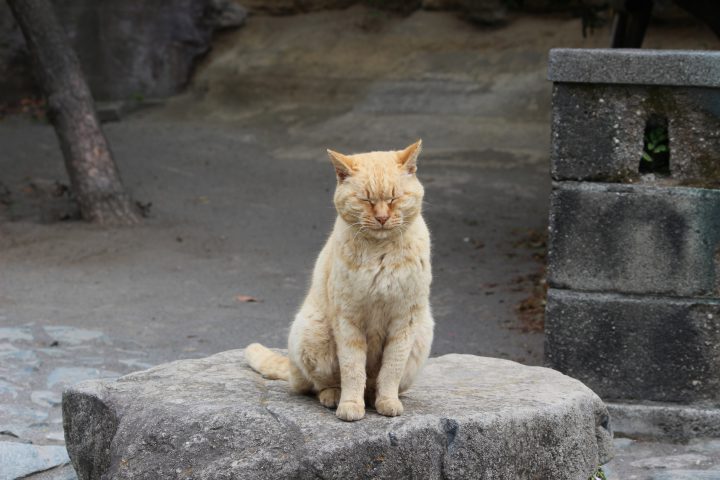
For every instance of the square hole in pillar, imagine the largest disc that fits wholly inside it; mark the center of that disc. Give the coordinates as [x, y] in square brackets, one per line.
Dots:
[656, 147]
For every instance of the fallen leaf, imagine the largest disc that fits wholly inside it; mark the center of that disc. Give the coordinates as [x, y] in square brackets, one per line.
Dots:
[245, 299]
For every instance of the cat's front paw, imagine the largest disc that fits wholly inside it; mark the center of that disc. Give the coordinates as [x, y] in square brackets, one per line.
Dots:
[390, 407]
[350, 411]
[329, 397]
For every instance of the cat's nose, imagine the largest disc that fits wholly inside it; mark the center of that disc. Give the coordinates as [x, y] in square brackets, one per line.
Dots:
[382, 219]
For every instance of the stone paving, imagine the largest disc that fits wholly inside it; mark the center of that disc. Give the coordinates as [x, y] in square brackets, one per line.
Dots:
[36, 363]
[699, 459]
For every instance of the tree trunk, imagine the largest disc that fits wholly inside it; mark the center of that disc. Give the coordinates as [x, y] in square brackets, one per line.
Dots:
[630, 24]
[93, 175]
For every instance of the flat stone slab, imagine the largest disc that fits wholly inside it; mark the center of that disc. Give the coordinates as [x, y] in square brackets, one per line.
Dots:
[688, 475]
[634, 66]
[665, 421]
[214, 418]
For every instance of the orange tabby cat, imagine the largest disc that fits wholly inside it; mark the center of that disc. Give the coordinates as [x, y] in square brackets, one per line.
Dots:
[365, 328]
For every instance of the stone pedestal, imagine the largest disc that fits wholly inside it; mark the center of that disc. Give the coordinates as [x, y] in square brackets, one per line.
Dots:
[467, 417]
[634, 254]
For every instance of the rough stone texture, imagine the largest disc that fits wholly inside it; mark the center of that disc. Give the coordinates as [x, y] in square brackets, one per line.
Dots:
[468, 417]
[636, 347]
[598, 131]
[694, 130]
[635, 239]
[128, 48]
[678, 423]
[635, 66]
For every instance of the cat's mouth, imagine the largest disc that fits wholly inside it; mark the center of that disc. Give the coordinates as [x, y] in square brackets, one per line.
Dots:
[384, 228]
[376, 228]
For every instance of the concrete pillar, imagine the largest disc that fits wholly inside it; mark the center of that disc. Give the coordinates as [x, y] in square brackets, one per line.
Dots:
[634, 249]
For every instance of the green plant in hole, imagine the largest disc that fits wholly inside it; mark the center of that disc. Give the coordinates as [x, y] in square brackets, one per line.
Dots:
[656, 142]
[599, 475]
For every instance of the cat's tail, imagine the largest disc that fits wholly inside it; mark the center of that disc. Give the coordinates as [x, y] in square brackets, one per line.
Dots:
[266, 362]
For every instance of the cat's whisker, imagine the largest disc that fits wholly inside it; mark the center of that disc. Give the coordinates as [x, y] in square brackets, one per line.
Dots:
[358, 233]
[402, 245]
[350, 225]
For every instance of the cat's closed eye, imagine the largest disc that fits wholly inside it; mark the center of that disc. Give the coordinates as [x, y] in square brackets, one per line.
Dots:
[389, 201]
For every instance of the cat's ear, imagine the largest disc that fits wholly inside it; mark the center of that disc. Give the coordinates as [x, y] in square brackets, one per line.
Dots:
[343, 164]
[407, 158]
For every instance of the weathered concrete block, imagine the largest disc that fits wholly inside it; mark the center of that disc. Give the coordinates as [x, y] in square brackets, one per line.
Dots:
[626, 250]
[698, 68]
[635, 239]
[467, 417]
[604, 99]
[598, 132]
[643, 348]
[694, 129]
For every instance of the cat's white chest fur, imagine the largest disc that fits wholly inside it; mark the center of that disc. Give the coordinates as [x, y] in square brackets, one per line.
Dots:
[380, 283]
[389, 277]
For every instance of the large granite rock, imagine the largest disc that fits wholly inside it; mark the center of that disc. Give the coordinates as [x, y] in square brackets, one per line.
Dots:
[291, 7]
[127, 48]
[467, 417]
[484, 12]
[15, 70]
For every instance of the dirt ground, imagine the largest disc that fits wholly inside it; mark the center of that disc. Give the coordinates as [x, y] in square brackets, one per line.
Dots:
[240, 189]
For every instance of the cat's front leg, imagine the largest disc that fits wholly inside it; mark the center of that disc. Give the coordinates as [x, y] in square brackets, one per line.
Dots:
[395, 357]
[352, 355]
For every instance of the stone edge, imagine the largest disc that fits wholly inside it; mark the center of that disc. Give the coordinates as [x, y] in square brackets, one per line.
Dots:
[693, 68]
[88, 440]
[644, 298]
[661, 421]
[634, 189]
